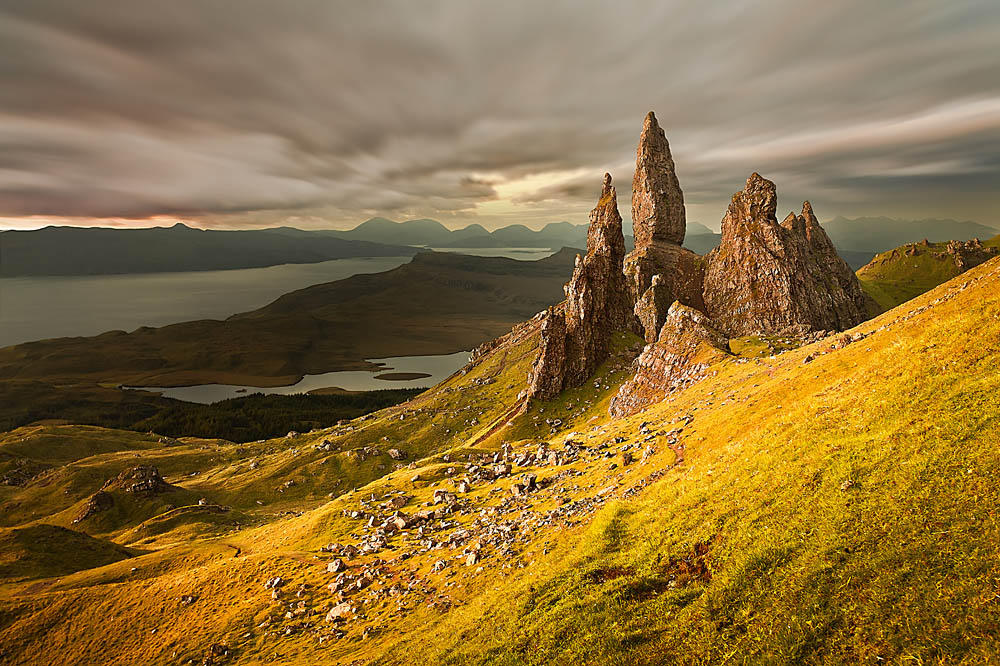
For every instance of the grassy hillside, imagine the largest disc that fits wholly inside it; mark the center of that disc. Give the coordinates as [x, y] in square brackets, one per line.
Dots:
[880, 234]
[831, 504]
[898, 275]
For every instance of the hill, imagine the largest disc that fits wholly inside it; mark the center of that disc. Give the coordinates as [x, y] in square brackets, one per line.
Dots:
[879, 234]
[908, 271]
[438, 303]
[824, 505]
[100, 251]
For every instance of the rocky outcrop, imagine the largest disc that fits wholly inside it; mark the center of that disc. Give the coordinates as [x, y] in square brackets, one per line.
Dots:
[658, 275]
[849, 304]
[140, 480]
[658, 224]
[597, 304]
[764, 277]
[548, 372]
[969, 254]
[657, 201]
[769, 278]
[687, 346]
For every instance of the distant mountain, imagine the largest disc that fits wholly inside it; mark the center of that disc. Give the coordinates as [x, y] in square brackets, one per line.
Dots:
[878, 234]
[553, 235]
[434, 234]
[697, 229]
[411, 232]
[98, 251]
[702, 243]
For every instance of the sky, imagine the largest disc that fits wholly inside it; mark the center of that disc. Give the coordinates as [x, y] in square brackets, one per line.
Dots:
[242, 114]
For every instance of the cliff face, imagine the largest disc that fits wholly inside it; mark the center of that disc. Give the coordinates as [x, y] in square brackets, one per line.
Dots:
[847, 304]
[687, 345]
[575, 339]
[767, 277]
[658, 223]
[549, 369]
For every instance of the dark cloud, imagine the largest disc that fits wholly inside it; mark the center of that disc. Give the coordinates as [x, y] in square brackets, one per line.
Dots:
[322, 113]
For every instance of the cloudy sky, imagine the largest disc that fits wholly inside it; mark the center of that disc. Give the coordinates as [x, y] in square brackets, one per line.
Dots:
[322, 114]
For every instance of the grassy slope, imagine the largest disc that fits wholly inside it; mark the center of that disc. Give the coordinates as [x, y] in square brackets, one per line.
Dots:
[895, 277]
[847, 504]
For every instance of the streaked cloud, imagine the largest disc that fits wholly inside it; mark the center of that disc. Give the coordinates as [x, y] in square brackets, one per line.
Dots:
[320, 114]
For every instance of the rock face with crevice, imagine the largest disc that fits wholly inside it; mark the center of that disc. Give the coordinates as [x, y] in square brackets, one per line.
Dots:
[575, 338]
[845, 303]
[687, 346]
[770, 278]
[658, 224]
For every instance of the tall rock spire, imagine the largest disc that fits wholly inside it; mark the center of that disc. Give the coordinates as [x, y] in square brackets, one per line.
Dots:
[659, 271]
[576, 339]
[657, 200]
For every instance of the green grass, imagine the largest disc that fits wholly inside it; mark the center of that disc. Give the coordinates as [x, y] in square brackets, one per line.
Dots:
[45, 551]
[839, 511]
[896, 276]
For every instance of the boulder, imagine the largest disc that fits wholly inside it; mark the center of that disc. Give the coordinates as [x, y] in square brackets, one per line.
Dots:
[338, 611]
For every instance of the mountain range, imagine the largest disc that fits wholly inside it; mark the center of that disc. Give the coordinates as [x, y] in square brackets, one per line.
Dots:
[101, 251]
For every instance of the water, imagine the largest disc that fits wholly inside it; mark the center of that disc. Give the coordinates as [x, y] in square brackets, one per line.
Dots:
[439, 367]
[35, 308]
[519, 253]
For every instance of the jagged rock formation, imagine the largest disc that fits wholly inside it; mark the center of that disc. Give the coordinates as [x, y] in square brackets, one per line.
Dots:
[969, 254]
[657, 200]
[850, 304]
[575, 337]
[687, 346]
[549, 370]
[658, 275]
[658, 223]
[767, 277]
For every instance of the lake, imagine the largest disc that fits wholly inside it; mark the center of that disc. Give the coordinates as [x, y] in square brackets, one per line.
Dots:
[34, 308]
[437, 368]
[519, 253]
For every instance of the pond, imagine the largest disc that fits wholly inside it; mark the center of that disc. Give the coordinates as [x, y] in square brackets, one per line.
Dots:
[395, 372]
